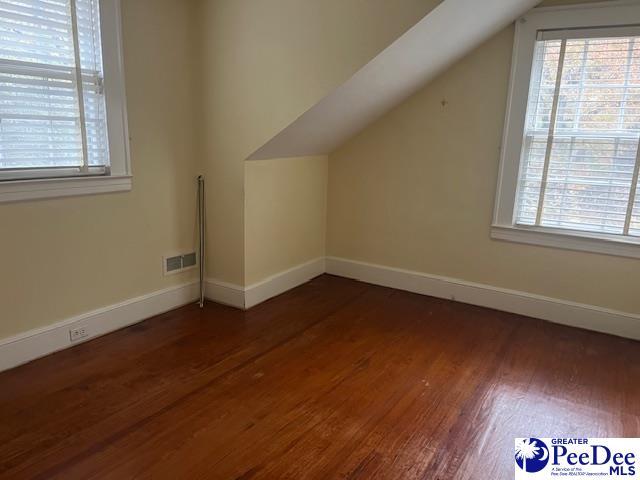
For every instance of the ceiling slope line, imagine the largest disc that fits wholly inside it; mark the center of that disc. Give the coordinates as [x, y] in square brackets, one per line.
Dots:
[445, 35]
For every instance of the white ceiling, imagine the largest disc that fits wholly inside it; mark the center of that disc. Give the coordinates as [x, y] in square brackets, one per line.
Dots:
[446, 34]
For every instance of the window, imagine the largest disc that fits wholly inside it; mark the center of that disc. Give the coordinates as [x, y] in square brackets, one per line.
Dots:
[571, 161]
[62, 114]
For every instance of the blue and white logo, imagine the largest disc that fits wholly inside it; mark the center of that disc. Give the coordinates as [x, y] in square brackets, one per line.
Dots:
[577, 457]
[532, 454]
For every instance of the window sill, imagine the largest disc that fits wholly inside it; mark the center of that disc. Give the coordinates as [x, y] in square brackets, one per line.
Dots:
[21, 190]
[549, 237]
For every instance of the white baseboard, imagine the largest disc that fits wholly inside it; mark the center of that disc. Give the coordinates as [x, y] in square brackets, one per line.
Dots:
[282, 282]
[224, 293]
[37, 343]
[558, 311]
[40, 342]
[252, 295]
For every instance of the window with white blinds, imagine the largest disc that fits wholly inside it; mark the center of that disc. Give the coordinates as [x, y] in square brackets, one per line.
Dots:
[53, 120]
[580, 162]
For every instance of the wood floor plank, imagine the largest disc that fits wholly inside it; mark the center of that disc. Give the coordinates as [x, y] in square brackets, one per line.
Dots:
[335, 379]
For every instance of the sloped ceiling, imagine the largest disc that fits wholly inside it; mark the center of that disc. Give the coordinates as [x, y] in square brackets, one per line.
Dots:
[446, 34]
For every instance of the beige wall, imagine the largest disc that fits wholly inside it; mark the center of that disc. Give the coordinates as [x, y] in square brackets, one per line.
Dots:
[265, 63]
[60, 258]
[208, 81]
[285, 214]
[416, 189]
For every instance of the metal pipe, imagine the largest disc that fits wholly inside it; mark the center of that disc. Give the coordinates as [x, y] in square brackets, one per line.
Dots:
[201, 233]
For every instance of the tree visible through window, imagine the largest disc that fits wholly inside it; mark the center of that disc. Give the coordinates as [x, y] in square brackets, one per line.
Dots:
[579, 166]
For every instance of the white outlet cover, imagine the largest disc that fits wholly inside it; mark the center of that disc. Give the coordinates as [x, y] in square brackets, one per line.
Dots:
[77, 333]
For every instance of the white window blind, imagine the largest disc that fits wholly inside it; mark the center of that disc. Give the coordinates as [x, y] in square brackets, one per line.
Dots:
[52, 105]
[580, 162]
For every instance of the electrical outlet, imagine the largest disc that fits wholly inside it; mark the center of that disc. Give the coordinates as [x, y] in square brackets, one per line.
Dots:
[78, 333]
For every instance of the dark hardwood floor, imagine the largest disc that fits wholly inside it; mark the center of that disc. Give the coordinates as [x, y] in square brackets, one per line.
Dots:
[336, 379]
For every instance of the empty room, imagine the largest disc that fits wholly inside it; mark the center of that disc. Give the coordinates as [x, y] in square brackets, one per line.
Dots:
[319, 239]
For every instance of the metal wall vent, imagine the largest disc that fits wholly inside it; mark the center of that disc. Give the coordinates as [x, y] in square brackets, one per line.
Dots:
[173, 264]
[179, 263]
[189, 260]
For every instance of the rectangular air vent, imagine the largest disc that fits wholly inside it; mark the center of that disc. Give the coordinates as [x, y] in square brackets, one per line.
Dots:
[173, 264]
[179, 263]
[189, 260]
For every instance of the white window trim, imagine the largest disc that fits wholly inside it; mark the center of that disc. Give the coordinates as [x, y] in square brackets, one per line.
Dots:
[120, 179]
[605, 14]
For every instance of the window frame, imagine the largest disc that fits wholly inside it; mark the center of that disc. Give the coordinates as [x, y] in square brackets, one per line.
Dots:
[119, 178]
[618, 13]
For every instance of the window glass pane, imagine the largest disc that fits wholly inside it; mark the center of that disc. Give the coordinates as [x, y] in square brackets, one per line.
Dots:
[634, 228]
[590, 165]
[545, 69]
[588, 184]
[40, 118]
[91, 61]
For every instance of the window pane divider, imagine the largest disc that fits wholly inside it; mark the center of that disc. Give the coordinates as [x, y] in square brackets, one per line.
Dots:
[632, 193]
[79, 86]
[636, 170]
[627, 83]
[552, 127]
